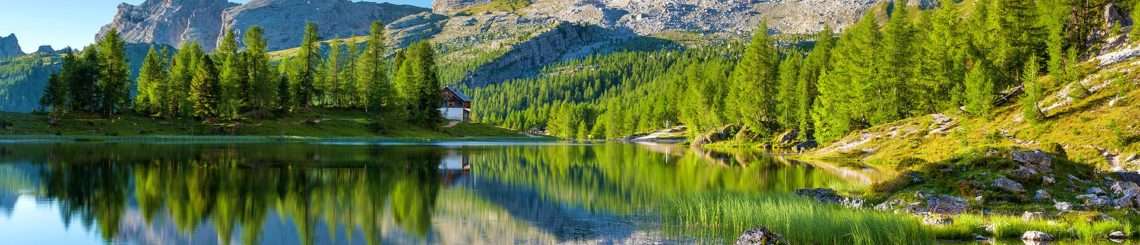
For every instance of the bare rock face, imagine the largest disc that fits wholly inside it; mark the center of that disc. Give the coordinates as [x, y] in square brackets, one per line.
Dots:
[175, 22]
[170, 22]
[412, 28]
[10, 46]
[284, 20]
[710, 16]
[447, 6]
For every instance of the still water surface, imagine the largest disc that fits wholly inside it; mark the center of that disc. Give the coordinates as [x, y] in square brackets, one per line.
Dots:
[91, 193]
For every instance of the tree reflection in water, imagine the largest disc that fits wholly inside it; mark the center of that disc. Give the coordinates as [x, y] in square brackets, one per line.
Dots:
[246, 193]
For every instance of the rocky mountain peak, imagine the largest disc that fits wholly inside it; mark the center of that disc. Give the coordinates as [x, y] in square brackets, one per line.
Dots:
[174, 22]
[10, 46]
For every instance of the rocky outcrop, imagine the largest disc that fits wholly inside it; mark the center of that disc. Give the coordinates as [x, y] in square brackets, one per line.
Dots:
[1036, 236]
[760, 236]
[284, 20]
[451, 6]
[413, 28]
[825, 195]
[10, 46]
[169, 22]
[203, 21]
[708, 16]
[45, 50]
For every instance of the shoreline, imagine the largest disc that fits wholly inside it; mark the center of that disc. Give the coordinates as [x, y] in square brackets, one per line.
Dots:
[207, 139]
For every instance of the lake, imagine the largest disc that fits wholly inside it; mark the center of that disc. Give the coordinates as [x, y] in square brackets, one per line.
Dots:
[350, 193]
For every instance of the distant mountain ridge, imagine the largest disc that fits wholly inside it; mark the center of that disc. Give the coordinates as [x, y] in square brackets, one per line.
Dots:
[174, 22]
[10, 46]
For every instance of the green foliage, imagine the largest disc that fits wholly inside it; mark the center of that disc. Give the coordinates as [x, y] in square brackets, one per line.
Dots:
[1033, 91]
[373, 88]
[263, 82]
[205, 91]
[114, 75]
[979, 91]
[844, 88]
[305, 74]
[55, 95]
[152, 77]
[754, 84]
[787, 92]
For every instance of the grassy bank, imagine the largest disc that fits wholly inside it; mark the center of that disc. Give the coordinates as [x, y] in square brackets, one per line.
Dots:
[800, 221]
[315, 125]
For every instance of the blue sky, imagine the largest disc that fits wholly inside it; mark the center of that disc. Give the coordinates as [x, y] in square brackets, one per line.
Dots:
[63, 23]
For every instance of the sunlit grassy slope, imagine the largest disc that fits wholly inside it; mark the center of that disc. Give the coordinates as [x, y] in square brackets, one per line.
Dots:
[1106, 120]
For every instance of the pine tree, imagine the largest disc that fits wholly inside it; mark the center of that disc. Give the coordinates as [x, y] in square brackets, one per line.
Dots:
[840, 106]
[114, 76]
[1053, 18]
[81, 71]
[263, 83]
[204, 90]
[186, 63]
[787, 99]
[54, 98]
[348, 78]
[372, 86]
[942, 64]
[892, 89]
[151, 76]
[817, 61]
[979, 91]
[755, 83]
[1033, 91]
[330, 82]
[308, 58]
[233, 75]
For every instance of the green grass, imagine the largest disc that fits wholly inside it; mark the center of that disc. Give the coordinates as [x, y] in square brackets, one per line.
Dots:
[334, 124]
[800, 221]
[1074, 226]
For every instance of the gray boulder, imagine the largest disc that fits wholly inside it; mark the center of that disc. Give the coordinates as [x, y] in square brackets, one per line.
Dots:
[1117, 235]
[1032, 215]
[413, 28]
[716, 135]
[1094, 201]
[1036, 236]
[1063, 206]
[945, 204]
[1042, 195]
[825, 195]
[1008, 185]
[760, 236]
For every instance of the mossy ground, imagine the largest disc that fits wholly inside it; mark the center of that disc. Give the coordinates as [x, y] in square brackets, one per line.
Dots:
[332, 124]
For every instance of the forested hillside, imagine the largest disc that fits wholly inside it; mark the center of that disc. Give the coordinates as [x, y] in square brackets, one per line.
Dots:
[893, 64]
[16, 92]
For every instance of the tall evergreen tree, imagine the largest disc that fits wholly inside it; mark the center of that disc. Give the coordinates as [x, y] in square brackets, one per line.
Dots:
[308, 58]
[205, 91]
[54, 98]
[893, 87]
[263, 82]
[81, 71]
[755, 83]
[1033, 91]
[979, 91]
[817, 61]
[186, 63]
[233, 75]
[115, 73]
[787, 98]
[372, 85]
[330, 80]
[151, 76]
[942, 64]
[840, 106]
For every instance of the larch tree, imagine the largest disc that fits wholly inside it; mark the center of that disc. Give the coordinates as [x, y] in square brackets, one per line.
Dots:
[372, 84]
[151, 77]
[1033, 91]
[307, 62]
[787, 99]
[114, 76]
[262, 80]
[844, 88]
[754, 82]
[204, 90]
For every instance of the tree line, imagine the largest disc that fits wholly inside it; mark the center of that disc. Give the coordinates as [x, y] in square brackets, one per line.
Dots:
[235, 83]
[958, 56]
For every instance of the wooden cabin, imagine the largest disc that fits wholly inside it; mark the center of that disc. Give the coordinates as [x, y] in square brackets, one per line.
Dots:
[456, 105]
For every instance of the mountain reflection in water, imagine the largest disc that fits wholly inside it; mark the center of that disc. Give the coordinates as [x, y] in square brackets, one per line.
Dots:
[364, 194]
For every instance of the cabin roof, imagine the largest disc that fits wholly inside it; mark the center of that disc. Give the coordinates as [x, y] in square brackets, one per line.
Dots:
[458, 93]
